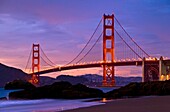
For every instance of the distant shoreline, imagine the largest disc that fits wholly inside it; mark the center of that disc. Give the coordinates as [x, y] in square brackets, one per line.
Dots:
[141, 104]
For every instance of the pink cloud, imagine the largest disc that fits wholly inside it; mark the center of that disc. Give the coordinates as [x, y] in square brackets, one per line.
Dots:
[62, 28]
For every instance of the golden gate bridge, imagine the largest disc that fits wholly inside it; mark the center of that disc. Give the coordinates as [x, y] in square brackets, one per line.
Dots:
[110, 45]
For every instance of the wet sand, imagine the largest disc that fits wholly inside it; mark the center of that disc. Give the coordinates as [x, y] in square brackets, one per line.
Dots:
[143, 104]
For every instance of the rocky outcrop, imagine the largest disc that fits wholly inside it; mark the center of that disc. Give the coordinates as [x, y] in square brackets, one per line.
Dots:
[19, 84]
[141, 89]
[58, 90]
[3, 98]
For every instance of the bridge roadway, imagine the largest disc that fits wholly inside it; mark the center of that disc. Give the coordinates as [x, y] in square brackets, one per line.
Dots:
[91, 65]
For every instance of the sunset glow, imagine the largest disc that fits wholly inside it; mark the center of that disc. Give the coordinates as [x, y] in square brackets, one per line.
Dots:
[63, 27]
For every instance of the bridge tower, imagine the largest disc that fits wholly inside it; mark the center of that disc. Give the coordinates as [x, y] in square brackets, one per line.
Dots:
[35, 63]
[108, 50]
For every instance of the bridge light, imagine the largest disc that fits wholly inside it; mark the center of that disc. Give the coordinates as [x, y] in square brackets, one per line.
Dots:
[136, 63]
[167, 77]
[104, 100]
[162, 78]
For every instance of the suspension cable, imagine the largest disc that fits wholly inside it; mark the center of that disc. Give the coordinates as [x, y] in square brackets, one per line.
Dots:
[47, 62]
[29, 70]
[90, 48]
[131, 38]
[46, 56]
[86, 43]
[28, 59]
[127, 44]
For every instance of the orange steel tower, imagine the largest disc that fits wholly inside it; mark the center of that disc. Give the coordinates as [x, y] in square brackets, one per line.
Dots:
[35, 63]
[108, 49]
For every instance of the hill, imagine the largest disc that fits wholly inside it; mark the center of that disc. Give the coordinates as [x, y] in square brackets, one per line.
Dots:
[72, 79]
[96, 80]
[8, 74]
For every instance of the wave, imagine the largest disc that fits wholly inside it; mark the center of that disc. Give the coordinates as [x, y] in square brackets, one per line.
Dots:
[43, 105]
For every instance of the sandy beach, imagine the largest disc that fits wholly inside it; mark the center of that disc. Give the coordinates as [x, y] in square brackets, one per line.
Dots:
[143, 104]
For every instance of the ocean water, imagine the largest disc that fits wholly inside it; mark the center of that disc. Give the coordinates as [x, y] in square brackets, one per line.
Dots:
[41, 105]
[107, 89]
[5, 93]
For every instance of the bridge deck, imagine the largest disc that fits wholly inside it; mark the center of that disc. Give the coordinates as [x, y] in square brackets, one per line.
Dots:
[88, 65]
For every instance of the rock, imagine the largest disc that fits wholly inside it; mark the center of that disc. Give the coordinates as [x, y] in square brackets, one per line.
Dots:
[141, 89]
[58, 90]
[19, 84]
[3, 98]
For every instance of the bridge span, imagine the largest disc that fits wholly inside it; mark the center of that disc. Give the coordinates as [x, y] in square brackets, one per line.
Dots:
[92, 65]
[114, 47]
[151, 69]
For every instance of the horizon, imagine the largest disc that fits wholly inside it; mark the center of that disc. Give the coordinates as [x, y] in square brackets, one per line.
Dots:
[69, 24]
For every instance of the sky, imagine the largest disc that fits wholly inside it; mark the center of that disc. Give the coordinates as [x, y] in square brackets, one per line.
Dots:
[62, 27]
